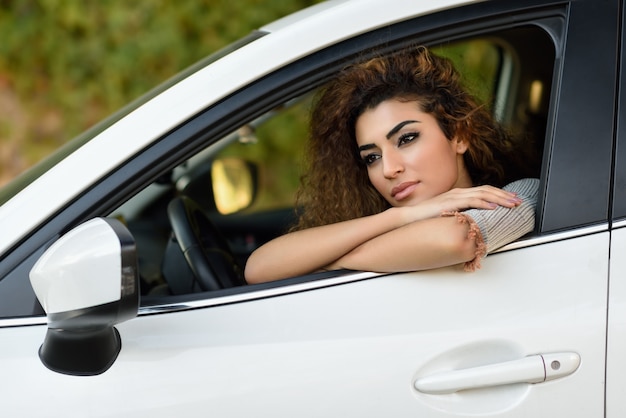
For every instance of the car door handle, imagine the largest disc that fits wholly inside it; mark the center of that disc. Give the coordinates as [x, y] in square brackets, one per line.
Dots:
[532, 369]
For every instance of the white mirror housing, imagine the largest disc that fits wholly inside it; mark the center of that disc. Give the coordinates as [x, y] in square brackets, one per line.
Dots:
[87, 282]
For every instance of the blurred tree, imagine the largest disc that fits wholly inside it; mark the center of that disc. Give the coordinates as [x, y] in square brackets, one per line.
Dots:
[66, 64]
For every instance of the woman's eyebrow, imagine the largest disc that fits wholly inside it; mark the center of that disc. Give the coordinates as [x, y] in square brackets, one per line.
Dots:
[399, 126]
[391, 133]
[366, 147]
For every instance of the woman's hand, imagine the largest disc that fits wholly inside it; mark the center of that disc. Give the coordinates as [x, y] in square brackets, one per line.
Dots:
[481, 197]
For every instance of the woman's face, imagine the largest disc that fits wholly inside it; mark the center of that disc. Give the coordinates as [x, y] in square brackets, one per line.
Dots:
[408, 157]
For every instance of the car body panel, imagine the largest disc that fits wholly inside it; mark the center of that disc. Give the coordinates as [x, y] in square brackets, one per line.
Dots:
[356, 353]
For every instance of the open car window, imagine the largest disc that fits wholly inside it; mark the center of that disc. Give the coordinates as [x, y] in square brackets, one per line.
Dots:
[502, 69]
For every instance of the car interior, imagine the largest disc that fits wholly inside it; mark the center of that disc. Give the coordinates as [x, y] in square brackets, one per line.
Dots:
[196, 225]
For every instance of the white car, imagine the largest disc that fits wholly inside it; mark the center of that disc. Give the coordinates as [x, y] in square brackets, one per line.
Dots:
[120, 257]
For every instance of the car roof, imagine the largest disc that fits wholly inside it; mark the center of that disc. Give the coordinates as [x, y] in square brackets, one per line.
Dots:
[284, 41]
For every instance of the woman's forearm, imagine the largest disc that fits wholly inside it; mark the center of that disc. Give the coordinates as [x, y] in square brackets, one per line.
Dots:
[426, 244]
[309, 250]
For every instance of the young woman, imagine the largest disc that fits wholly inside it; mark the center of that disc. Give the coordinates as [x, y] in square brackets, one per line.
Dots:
[406, 172]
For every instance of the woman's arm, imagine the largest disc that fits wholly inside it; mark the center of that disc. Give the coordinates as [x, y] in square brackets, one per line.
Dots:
[502, 226]
[309, 250]
[448, 240]
[421, 245]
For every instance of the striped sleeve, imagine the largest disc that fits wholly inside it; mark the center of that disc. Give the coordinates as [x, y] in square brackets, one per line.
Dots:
[493, 229]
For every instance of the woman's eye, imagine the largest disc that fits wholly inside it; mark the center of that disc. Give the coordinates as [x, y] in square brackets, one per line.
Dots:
[369, 159]
[407, 138]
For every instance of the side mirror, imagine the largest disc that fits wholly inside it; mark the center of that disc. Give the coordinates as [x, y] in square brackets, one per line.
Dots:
[234, 184]
[87, 282]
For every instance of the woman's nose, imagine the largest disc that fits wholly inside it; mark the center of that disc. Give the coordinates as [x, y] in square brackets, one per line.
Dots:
[392, 164]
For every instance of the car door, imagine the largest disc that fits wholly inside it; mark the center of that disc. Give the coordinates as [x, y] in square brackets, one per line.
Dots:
[523, 336]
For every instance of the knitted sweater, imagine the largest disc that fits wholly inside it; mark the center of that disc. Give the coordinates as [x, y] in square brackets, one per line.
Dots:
[495, 228]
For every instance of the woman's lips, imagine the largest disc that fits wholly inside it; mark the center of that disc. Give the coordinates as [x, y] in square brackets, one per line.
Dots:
[403, 190]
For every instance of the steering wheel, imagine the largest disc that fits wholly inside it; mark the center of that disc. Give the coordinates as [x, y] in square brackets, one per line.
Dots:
[206, 251]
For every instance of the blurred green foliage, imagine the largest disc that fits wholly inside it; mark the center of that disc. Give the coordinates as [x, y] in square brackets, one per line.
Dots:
[66, 64]
[478, 62]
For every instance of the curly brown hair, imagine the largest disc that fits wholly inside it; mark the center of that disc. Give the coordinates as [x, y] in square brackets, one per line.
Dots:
[336, 187]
